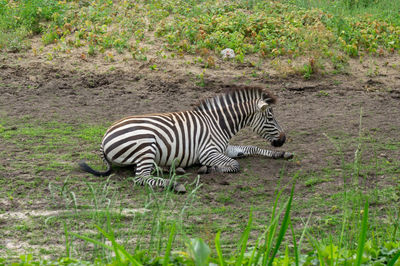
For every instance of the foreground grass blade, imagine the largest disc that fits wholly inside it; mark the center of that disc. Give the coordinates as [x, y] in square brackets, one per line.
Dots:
[118, 247]
[112, 248]
[219, 250]
[295, 250]
[270, 232]
[317, 246]
[396, 225]
[304, 231]
[341, 236]
[284, 227]
[169, 245]
[91, 240]
[111, 237]
[199, 251]
[67, 248]
[251, 260]
[361, 241]
[244, 238]
[394, 259]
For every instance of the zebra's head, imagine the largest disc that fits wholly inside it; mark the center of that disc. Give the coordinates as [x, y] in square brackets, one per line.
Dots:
[265, 124]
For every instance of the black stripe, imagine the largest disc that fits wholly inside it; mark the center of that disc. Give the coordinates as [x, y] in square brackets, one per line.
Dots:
[161, 127]
[124, 140]
[122, 151]
[175, 130]
[138, 148]
[116, 134]
[232, 116]
[190, 139]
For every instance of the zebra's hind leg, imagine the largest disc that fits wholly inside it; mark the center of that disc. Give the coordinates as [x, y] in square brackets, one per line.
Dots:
[159, 182]
[143, 177]
[217, 162]
[242, 151]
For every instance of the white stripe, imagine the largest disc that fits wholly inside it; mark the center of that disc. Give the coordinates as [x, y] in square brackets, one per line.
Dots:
[126, 135]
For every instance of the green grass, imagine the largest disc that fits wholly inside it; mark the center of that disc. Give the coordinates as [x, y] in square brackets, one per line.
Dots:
[51, 142]
[42, 175]
[20, 19]
[384, 9]
[198, 252]
[323, 32]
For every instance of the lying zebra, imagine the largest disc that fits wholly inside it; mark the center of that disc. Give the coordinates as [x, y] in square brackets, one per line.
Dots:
[199, 136]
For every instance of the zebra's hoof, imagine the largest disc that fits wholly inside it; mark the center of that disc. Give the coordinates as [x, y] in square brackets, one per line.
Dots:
[180, 171]
[203, 170]
[288, 155]
[179, 188]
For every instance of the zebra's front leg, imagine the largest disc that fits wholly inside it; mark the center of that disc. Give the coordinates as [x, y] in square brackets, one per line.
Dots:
[242, 151]
[217, 162]
[143, 177]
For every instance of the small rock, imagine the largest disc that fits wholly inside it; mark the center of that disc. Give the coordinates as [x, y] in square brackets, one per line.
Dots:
[11, 128]
[179, 188]
[227, 53]
[202, 170]
[224, 183]
[180, 171]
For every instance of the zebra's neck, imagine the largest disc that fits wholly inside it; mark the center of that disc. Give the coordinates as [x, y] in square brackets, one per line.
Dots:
[235, 109]
[229, 119]
[230, 123]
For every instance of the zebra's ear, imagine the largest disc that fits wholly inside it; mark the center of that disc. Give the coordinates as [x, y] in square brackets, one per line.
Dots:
[270, 100]
[262, 106]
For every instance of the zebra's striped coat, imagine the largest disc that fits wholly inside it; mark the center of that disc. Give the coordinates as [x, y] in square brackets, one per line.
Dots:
[198, 136]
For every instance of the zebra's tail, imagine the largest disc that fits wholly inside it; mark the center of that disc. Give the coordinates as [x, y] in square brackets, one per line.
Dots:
[85, 167]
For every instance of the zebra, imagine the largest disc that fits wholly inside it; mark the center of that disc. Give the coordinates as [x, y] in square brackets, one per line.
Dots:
[197, 136]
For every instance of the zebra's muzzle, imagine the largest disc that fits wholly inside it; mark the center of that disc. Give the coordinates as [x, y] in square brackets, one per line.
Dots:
[279, 142]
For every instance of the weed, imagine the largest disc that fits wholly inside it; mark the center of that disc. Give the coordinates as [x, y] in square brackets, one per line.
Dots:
[269, 29]
[263, 252]
[201, 80]
[322, 93]
[314, 181]
[91, 50]
[19, 19]
[307, 71]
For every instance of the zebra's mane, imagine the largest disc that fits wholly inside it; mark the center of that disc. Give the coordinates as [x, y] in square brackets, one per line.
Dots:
[248, 93]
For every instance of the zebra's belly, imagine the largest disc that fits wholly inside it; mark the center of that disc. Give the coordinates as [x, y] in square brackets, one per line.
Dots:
[177, 160]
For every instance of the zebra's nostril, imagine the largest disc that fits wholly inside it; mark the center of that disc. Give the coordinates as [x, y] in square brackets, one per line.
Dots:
[279, 142]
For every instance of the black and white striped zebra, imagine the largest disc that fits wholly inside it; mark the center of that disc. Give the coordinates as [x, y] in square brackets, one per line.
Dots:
[198, 136]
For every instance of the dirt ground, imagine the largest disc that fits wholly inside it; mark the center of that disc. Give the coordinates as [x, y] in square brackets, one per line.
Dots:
[309, 110]
[59, 91]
